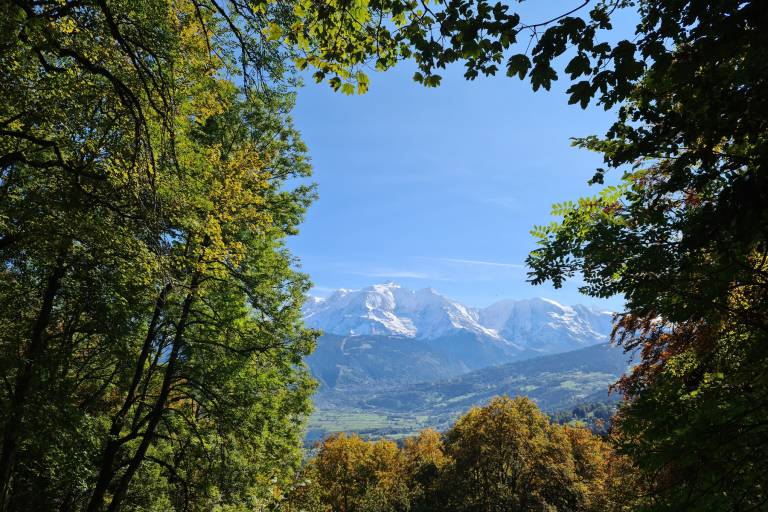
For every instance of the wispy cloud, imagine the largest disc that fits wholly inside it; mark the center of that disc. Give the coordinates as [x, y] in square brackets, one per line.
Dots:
[404, 274]
[480, 263]
[322, 289]
[455, 270]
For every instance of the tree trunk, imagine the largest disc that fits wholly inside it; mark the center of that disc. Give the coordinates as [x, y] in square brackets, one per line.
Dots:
[160, 404]
[36, 348]
[155, 414]
[106, 470]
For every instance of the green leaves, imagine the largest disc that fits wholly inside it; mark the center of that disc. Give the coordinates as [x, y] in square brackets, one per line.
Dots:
[581, 93]
[432, 80]
[173, 340]
[518, 65]
[669, 239]
[542, 76]
[429, 80]
[273, 32]
[362, 82]
[481, 35]
[579, 65]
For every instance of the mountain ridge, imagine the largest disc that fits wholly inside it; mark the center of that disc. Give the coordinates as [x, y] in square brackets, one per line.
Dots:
[540, 325]
[582, 375]
[556, 382]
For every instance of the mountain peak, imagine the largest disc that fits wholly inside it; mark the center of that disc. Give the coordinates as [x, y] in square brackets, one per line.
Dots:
[389, 309]
[383, 287]
[553, 302]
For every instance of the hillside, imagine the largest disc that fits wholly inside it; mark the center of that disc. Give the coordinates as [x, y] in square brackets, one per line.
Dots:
[340, 362]
[555, 382]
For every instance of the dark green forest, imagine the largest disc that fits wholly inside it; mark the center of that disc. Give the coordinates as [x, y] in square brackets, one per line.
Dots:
[151, 341]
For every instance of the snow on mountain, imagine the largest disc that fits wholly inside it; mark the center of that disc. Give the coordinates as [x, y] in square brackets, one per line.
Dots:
[540, 325]
[389, 309]
[547, 326]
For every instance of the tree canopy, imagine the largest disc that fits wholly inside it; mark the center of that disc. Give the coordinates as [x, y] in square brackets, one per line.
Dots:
[152, 341]
[683, 237]
[504, 456]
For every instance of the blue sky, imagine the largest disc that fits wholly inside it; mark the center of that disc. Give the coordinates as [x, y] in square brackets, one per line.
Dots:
[440, 187]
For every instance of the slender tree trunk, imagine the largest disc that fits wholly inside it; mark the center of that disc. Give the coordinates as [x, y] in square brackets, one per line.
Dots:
[160, 403]
[36, 348]
[106, 470]
[155, 415]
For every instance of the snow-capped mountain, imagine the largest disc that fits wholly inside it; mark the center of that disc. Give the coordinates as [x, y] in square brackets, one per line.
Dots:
[538, 325]
[387, 335]
[391, 310]
[545, 326]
